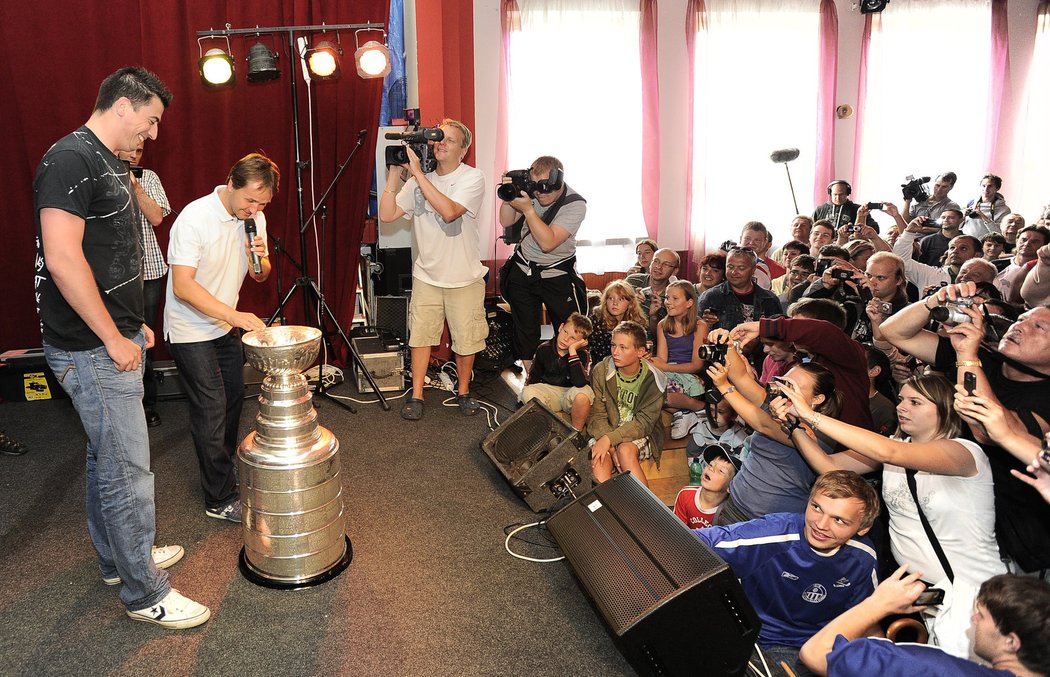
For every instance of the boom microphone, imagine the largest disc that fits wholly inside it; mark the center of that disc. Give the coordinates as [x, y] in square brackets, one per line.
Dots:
[784, 155]
[249, 230]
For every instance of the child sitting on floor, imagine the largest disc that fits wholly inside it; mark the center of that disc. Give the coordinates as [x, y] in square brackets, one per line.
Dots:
[699, 506]
[628, 398]
[560, 370]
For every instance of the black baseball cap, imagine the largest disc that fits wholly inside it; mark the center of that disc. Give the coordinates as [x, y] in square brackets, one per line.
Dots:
[720, 449]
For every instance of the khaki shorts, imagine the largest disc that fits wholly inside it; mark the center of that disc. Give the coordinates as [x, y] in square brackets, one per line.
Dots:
[557, 398]
[462, 307]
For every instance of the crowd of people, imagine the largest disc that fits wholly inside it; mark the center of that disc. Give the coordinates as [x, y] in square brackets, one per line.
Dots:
[862, 398]
[781, 368]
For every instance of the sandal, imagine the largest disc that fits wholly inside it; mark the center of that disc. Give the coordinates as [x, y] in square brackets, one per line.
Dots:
[412, 410]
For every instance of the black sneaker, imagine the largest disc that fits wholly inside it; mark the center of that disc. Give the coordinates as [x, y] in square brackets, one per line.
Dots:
[231, 512]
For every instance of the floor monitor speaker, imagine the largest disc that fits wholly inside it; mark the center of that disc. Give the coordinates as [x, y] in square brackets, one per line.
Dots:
[543, 457]
[673, 607]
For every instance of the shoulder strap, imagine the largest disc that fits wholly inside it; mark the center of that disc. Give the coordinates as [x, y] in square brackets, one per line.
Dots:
[928, 528]
[512, 233]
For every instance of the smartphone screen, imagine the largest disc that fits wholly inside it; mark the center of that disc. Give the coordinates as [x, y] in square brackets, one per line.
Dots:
[930, 597]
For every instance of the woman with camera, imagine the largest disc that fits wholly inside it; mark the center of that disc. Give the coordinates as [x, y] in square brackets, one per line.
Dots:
[927, 463]
[773, 477]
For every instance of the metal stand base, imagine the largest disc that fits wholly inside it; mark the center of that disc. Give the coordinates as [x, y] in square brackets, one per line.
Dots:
[259, 578]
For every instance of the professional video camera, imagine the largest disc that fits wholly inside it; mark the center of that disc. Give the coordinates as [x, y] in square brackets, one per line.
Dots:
[421, 141]
[521, 183]
[915, 189]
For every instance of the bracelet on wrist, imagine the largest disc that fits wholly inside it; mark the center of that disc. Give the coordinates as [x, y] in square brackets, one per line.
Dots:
[926, 303]
[967, 363]
[730, 389]
[814, 422]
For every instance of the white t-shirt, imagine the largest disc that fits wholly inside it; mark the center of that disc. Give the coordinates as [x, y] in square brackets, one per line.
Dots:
[961, 511]
[207, 237]
[447, 254]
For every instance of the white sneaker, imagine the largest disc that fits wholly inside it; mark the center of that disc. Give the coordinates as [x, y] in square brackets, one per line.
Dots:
[163, 556]
[173, 612]
[681, 423]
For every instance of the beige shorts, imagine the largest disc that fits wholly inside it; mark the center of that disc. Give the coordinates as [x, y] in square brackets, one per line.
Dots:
[462, 307]
[557, 398]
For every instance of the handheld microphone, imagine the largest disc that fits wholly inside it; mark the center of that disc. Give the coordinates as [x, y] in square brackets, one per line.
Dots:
[249, 230]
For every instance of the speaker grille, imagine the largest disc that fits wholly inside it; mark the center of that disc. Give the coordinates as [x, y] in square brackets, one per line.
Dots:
[635, 554]
[531, 433]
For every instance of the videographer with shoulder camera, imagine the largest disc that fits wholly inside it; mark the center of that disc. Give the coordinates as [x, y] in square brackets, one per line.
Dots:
[931, 204]
[542, 214]
[447, 275]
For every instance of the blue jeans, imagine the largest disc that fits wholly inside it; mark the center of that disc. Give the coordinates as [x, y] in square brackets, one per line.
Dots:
[212, 374]
[120, 510]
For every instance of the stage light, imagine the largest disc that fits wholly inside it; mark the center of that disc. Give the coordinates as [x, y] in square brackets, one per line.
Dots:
[373, 60]
[323, 60]
[262, 64]
[215, 66]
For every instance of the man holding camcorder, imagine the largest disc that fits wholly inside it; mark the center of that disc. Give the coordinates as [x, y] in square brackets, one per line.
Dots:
[443, 202]
[542, 215]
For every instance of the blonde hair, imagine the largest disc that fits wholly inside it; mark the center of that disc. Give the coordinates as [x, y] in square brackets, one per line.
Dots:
[467, 136]
[687, 322]
[626, 292]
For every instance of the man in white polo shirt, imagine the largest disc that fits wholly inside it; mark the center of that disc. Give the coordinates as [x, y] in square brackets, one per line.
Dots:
[209, 254]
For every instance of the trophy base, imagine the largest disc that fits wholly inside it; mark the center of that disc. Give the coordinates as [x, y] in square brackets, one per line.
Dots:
[260, 578]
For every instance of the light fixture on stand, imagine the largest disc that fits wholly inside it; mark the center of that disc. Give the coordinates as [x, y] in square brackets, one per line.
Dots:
[262, 63]
[216, 66]
[323, 60]
[372, 58]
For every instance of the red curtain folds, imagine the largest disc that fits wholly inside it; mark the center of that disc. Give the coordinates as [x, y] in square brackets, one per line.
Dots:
[999, 73]
[649, 61]
[202, 134]
[826, 95]
[695, 21]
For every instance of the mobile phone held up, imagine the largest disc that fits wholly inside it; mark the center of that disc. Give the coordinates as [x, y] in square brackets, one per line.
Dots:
[134, 169]
[930, 597]
[970, 382]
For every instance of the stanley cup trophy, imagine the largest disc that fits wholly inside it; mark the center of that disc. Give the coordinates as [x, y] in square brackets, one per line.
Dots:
[291, 488]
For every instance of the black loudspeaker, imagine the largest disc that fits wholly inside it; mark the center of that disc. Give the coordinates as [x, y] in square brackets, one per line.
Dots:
[392, 315]
[673, 607]
[396, 278]
[499, 352]
[543, 457]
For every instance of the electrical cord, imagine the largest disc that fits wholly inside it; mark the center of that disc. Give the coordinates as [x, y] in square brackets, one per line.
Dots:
[506, 544]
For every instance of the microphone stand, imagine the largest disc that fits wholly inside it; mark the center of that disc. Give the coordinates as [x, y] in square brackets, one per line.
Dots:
[312, 292]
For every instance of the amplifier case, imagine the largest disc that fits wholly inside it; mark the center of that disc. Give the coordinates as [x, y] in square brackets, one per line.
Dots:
[387, 367]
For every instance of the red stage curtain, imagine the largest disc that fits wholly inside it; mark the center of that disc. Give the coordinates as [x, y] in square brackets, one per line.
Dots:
[55, 55]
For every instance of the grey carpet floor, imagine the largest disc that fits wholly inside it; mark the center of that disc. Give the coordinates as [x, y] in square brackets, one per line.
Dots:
[430, 590]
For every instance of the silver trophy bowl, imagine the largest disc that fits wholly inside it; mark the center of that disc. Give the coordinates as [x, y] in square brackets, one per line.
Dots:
[282, 351]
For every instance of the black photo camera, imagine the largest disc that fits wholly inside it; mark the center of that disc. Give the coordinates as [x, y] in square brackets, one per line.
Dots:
[874, 205]
[421, 141]
[520, 182]
[713, 352]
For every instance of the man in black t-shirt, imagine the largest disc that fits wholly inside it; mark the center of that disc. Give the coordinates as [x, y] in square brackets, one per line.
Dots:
[89, 297]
